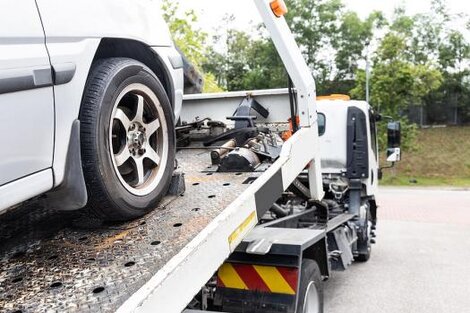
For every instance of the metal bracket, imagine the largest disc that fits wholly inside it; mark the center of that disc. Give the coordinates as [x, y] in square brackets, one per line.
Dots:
[177, 184]
[355, 188]
[338, 241]
[242, 115]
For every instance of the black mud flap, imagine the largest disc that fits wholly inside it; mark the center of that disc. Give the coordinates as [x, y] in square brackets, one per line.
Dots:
[72, 193]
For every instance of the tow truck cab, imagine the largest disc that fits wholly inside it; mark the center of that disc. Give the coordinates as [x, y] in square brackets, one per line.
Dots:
[350, 163]
[348, 136]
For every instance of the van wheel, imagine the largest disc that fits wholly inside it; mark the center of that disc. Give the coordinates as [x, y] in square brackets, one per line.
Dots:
[311, 288]
[127, 139]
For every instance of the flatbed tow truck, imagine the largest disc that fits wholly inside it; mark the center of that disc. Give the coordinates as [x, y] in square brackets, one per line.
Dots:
[226, 239]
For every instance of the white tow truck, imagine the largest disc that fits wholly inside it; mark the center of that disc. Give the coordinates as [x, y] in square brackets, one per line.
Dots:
[252, 223]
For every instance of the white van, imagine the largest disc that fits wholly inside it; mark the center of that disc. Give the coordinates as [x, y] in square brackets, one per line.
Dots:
[89, 94]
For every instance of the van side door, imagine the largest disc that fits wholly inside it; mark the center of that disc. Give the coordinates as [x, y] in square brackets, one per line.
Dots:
[26, 93]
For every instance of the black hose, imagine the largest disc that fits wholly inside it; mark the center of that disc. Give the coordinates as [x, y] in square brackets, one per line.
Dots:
[293, 106]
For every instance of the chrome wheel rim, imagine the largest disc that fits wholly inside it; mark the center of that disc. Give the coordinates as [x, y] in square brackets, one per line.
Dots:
[138, 139]
[312, 299]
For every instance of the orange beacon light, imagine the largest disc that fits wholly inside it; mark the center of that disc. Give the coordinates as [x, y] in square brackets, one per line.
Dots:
[279, 7]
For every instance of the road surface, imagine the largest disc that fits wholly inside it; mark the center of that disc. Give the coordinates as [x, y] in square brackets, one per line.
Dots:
[421, 262]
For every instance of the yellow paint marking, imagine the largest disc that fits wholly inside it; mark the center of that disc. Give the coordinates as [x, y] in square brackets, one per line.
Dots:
[235, 236]
[274, 280]
[230, 277]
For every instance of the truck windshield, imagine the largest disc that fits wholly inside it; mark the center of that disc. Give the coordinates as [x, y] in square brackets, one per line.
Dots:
[321, 124]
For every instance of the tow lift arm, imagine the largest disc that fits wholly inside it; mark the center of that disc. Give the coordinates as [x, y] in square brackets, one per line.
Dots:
[304, 82]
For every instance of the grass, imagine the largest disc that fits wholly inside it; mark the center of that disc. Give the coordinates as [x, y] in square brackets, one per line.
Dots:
[401, 180]
[441, 157]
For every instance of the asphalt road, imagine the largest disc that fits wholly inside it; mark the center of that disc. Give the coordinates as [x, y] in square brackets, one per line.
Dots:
[421, 262]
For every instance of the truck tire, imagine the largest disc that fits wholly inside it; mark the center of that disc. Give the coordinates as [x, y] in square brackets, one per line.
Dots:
[364, 244]
[127, 139]
[364, 257]
[310, 298]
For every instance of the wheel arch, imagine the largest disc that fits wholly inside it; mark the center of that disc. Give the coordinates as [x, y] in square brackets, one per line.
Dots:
[84, 54]
[128, 48]
[96, 49]
[318, 252]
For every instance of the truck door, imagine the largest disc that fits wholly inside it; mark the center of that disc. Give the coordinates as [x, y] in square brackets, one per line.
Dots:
[26, 94]
[374, 151]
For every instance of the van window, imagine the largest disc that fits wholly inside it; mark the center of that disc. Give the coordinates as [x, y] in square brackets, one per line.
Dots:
[321, 124]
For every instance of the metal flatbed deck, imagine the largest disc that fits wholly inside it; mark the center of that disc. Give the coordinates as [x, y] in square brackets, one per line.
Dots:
[60, 262]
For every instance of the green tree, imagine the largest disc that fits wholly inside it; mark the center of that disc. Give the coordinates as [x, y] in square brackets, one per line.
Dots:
[418, 60]
[315, 24]
[246, 63]
[189, 39]
[434, 40]
[454, 52]
[333, 40]
[355, 36]
[454, 55]
[397, 82]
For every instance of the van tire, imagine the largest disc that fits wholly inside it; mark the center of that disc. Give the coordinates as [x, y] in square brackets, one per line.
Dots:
[125, 191]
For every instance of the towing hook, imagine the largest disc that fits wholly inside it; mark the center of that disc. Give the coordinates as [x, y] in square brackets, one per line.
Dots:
[336, 254]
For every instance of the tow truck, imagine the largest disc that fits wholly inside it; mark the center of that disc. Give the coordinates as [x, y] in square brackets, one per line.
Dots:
[256, 219]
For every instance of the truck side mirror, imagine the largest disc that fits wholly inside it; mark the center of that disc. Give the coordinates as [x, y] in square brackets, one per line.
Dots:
[394, 142]
[378, 117]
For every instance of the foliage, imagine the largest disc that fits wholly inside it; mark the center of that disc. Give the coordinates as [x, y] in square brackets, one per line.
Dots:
[190, 40]
[250, 62]
[246, 63]
[316, 28]
[416, 60]
[397, 82]
[433, 41]
[355, 35]
[333, 40]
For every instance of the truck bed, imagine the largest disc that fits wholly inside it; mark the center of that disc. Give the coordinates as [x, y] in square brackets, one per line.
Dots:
[58, 261]
[63, 261]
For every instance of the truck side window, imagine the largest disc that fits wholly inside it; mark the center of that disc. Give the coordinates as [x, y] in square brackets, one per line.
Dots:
[373, 134]
[321, 124]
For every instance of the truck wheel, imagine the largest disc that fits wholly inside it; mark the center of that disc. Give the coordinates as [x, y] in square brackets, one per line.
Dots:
[127, 139]
[311, 288]
[364, 257]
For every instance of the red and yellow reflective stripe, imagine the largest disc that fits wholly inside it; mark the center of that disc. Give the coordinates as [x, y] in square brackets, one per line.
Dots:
[230, 278]
[272, 279]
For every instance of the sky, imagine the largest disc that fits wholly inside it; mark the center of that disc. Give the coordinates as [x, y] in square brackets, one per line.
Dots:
[211, 12]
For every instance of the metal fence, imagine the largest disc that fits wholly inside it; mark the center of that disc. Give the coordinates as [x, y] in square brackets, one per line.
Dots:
[439, 113]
